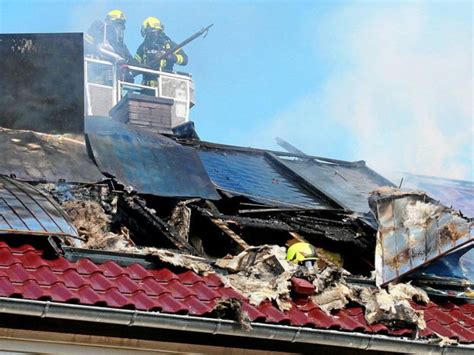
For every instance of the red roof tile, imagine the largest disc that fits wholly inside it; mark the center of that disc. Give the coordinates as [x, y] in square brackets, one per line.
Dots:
[189, 278]
[197, 307]
[7, 289]
[272, 314]
[323, 320]
[111, 269]
[138, 272]
[25, 273]
[302, 286]
[32, 290]
[153, 288]
[212, 280]
[349, 322]
[253, 313]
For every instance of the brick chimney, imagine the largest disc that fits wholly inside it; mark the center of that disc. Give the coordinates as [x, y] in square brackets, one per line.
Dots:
[152, 113]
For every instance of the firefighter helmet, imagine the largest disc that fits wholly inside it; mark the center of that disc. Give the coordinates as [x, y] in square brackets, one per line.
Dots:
[151, 24]
[115, 16]
[300, 252]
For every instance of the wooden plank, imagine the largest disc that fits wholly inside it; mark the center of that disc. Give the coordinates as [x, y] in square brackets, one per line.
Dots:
[222, 225]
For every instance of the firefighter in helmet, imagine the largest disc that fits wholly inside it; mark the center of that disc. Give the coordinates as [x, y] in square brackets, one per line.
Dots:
[105, 39]
[301, 253]
[156, 43]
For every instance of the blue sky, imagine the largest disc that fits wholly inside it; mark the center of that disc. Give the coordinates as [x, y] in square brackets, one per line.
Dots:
[389, 82]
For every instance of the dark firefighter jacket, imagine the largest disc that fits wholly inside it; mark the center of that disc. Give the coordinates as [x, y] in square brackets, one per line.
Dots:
[102, 33]
[150, 48]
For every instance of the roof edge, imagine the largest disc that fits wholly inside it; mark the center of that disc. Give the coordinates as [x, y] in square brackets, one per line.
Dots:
[66, 311]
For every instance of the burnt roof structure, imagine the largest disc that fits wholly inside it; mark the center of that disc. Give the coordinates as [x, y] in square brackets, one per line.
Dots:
[139, 230]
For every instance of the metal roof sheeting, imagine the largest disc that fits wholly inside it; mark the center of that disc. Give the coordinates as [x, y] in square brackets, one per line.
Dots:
[414, 230]
[25, 210]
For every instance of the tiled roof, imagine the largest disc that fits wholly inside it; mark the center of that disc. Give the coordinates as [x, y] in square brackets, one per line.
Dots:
[25, 272]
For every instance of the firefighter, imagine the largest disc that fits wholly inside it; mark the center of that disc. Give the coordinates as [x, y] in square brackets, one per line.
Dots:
[301, 253]
[105, 39]
[155, 43]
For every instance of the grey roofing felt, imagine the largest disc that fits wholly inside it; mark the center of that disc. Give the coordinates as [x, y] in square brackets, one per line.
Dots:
[35, 156]
[42, 82]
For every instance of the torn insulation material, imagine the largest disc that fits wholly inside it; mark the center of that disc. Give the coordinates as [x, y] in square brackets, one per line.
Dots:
[197, 264]
[392, 307]
[181, 218]
[333, 298]
[260, 273]
[232, 308]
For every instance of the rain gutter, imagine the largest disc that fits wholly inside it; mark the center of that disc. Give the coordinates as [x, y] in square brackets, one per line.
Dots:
[74, 312]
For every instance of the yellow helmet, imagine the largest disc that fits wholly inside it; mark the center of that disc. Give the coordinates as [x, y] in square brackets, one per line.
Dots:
[115, 16]
[151, 24]
[300, 252]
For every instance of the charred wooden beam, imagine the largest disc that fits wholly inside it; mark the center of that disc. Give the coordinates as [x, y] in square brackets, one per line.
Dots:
[147, 222]
[269, 224]
[296, 237]
[222, 225]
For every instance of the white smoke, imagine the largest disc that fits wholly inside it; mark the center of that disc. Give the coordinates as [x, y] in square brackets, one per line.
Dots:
[401, 86]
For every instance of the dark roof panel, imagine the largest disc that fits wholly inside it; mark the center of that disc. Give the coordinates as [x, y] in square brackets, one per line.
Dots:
[251, 174]
[348, 184]
[149, 162]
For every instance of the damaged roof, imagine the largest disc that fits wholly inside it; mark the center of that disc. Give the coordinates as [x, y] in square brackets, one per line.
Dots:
[414, 230]
[171, 238]
[26, 273]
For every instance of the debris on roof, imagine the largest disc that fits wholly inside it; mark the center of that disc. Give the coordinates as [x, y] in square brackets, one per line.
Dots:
[181, 218]
[234, 306]
[333, 298]
[260, 273]
[392, 307]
